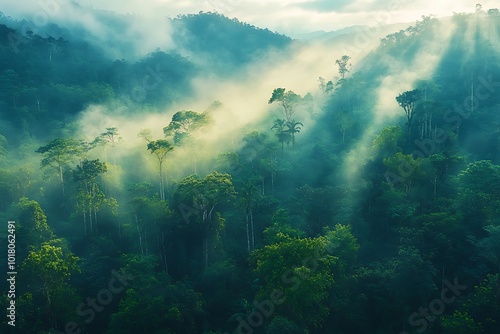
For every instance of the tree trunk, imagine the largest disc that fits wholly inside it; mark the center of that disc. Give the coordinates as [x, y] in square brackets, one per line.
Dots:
[248, 231]
[140, 235]
[89, 204]
[471, 95]
[90, 219]
[146, 250]
[430, 126]
[113, 155]
[162, 194]
[165, 181]
[105, 153]
[61, 175]
[409, 110]
[84, 221]
[422, 129]
[252, 230]
[95, 221]
[207, 218]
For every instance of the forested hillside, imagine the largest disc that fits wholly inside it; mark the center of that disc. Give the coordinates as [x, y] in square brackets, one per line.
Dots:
[174, 193]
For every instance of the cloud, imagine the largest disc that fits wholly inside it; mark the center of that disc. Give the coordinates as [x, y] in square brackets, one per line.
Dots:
[325, 5]
[121, 35]
[291, 17]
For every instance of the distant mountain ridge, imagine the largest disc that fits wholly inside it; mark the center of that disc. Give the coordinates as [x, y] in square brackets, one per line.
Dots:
[212, 35]
[225, 43]
[324, 35]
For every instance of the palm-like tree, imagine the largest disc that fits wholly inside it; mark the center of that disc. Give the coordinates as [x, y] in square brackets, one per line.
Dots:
[283, 134]
[293, 128]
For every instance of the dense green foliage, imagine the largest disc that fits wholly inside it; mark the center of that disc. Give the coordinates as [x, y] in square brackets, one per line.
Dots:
[224, 44]
[338, 221]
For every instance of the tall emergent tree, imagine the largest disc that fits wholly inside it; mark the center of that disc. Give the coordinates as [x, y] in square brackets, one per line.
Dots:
[249, 196]
[59, 153]
[293, 128]
[202, 196]
[90, 196]
[344, 65]
[281, 132]
[288, 100]
[159, 148]
[33, 227]
[407, 101]
[151, 216]
[182, 128]
[48, 269]
[183, 124]
[326, 87]
[111, 137]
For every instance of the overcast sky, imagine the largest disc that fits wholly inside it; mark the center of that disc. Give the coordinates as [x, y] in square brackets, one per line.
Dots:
[286, 16]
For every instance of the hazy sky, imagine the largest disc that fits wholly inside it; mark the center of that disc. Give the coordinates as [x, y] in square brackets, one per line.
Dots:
[285, 16]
